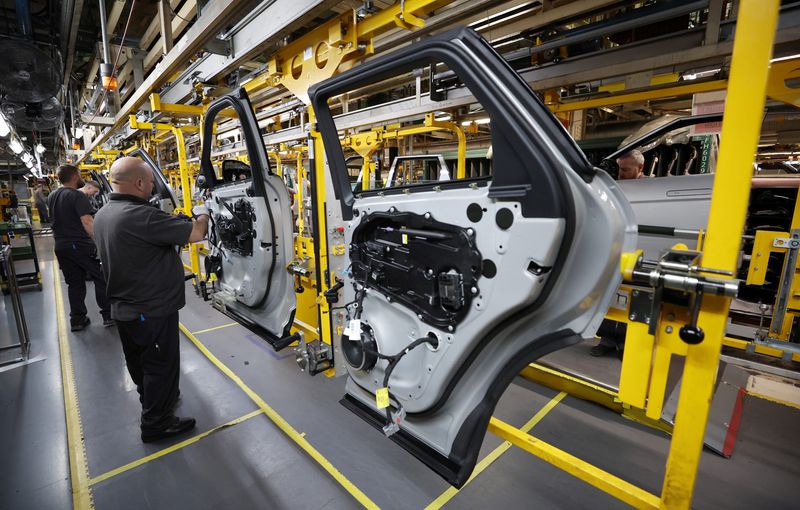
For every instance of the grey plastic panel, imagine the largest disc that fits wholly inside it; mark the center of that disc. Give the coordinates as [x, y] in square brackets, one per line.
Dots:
[604, 229]
[682, 201]
[245, 279]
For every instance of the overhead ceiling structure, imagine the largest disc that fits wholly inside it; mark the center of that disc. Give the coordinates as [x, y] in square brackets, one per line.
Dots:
[30, 77]
[581, 55]
[570, 51]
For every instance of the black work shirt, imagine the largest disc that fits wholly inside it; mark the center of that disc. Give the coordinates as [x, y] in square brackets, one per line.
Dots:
[66, 207]
[137, 245]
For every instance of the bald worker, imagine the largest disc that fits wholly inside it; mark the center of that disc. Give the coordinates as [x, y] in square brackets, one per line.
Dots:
[140, 248]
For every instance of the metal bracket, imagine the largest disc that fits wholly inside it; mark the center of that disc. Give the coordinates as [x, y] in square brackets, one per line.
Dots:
[313, 357]
[786, 242]
[218, 46]
[787, 276]
[641, 306]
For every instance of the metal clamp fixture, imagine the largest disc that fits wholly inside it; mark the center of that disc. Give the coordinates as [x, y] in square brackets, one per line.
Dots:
[677, 278]
[792, 245]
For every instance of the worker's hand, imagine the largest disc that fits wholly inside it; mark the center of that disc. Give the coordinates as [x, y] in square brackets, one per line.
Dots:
[200, 210]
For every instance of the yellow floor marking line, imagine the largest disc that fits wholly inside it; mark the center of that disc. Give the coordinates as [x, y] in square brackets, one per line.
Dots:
[495, 454]
[78, 467]
[170, 449]
[287, 429]
[215, 328]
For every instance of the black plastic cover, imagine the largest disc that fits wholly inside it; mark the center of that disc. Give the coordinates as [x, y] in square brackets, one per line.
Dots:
[429, 266]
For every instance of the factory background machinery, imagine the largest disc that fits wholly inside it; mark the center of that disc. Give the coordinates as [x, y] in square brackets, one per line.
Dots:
[417, 203]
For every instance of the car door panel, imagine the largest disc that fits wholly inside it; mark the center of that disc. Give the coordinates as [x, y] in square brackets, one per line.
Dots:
[101, 198]
[251, 230]
[526, 261]
[163, 194]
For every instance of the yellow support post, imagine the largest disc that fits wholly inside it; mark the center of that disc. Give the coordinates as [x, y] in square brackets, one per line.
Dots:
[316, 154]
[461, 168]
[741, 126]
[186, 188]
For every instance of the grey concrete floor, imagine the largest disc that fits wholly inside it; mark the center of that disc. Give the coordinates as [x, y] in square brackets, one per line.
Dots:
[254, 465]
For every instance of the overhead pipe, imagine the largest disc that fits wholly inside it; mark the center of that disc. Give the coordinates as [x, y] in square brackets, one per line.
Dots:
[106, 67]
[104, 33]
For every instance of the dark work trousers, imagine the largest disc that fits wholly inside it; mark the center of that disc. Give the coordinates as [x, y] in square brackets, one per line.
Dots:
[43, 217]
[154, 363]
[78, 260]
[612, 333]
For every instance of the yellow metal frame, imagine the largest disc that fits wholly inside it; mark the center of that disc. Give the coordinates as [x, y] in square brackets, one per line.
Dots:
[780, 71]
[335, 45]
[763, 247]
[646, 359]
[368, 142]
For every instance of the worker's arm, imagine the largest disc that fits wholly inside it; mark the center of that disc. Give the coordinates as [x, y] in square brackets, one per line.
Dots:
[199, 228]
[88, 224]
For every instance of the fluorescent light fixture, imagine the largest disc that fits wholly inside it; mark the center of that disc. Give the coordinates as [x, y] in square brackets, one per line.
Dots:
[78, 132]
[483, 120]
[5, 129]
[40, 148]
[442, 117]
[26, 157]
[15, 146]
[701, 74]
[790, 57]
[29, 164]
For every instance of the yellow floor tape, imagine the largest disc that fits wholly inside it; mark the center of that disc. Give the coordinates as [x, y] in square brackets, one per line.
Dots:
[495, 454]
[287, 429]
[78, 467]
[177, 446]
[215, 328]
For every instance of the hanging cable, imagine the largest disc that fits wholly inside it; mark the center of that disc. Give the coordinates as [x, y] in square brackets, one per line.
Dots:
[116, 61]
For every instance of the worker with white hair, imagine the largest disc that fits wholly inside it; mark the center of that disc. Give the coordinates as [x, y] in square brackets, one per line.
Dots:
[631, 165]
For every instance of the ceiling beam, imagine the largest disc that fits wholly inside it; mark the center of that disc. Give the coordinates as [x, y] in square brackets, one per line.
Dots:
[77, 12]
[215, 15]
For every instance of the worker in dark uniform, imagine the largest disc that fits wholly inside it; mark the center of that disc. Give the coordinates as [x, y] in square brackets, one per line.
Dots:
[139, 246]
[71, 216]
[41, 204]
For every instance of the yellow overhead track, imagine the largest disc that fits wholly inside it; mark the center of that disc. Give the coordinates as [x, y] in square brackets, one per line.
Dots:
[684, 89]
[780, 72]
[335, 45]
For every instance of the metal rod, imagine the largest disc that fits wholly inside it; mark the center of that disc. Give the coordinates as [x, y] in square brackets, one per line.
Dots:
[104, 32]
[16, 301]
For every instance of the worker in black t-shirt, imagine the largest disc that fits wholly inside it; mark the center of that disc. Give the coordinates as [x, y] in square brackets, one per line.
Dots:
[139, 245]
[71, 217]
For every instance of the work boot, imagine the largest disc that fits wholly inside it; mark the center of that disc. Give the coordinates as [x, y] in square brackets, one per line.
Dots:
[178, 426]
[79, 324]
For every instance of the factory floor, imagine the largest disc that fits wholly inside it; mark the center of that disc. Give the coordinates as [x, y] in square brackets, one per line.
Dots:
[239, 457]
